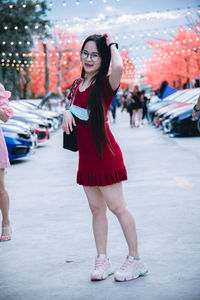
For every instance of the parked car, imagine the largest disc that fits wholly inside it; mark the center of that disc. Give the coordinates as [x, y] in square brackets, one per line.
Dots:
[40, 126]
[19, 107]
[181, 123]
[188, 96]
[57, 118]
[18, 141]
[26, 127]
[153, 108]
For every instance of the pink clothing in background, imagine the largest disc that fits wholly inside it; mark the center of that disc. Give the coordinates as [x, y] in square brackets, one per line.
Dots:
[4, 105]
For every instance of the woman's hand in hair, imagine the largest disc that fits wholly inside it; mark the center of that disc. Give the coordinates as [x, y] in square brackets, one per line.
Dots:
[68, 122]
[109, 39]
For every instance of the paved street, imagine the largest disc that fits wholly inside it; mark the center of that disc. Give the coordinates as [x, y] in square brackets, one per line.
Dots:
[52, 250]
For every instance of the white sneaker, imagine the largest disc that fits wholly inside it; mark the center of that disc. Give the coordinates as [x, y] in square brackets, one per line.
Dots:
[102, 268]
[131, 269]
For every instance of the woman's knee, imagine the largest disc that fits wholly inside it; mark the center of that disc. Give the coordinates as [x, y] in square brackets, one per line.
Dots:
[118, 210]
[2, 191]
[98, 210]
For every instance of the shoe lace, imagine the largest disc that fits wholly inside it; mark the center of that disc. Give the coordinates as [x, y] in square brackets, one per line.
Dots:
[99, 264]
[126, 264]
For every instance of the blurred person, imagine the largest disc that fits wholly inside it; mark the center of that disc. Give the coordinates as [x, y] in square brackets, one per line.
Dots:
[5, 113]
[101, 167]
[129, 108]
[145, 106]
[196, 110]
[113, 107]
[136, 107]
[124, 101]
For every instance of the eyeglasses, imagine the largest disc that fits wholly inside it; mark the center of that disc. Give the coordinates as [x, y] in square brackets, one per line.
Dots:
[94, 56]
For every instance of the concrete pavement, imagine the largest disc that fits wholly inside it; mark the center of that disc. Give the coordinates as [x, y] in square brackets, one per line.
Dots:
[52, 250]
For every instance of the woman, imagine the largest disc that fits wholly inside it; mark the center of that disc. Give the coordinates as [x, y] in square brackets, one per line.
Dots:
[137, 106]
[101, 167]
[5, 113]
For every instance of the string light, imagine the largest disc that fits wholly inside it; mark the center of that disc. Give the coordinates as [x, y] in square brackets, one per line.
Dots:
[51, 4]
[64, 3]
[77, 2]
[11, 6]
[91, 1]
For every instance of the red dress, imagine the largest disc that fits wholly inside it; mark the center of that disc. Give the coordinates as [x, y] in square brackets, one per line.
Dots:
[94, 170]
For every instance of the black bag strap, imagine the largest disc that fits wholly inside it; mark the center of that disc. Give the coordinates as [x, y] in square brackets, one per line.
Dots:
[73, 90]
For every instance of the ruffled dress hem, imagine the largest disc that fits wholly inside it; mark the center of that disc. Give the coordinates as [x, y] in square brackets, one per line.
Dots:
[109, 177]
[4, 165]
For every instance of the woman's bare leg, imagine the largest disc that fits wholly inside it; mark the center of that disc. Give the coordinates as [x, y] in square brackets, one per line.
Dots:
[4, 204]
[133, 118]
[100, 223]
[113, 196]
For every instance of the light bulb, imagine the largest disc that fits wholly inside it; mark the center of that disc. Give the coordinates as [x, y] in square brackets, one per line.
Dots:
[64, 3]
[51, 4]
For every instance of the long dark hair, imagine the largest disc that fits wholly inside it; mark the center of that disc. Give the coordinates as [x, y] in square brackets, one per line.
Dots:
[95, 103]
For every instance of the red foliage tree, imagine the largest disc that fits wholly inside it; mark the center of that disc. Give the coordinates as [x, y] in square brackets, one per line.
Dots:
[63, 64]
[177, 61]
[129, 70]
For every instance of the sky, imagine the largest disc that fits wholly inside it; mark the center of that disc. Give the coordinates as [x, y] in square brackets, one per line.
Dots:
[131, 23]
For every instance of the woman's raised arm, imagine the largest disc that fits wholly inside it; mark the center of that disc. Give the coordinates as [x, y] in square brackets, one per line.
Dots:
[116, 62]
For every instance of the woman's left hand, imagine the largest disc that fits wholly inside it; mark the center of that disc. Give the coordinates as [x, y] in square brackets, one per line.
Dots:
[109, 39]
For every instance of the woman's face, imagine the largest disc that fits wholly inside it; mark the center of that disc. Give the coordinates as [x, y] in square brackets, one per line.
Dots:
[90, 58]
